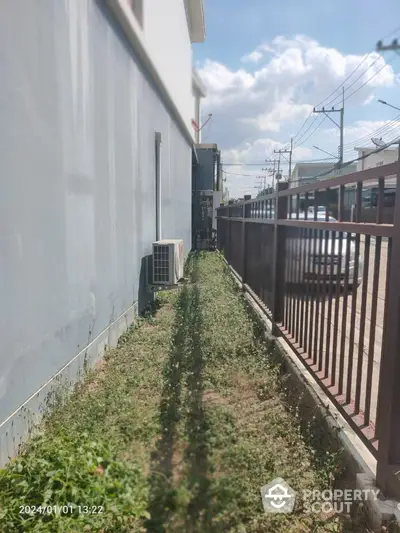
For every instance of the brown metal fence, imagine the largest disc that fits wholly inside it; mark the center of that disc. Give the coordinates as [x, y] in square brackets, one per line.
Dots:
[332, 289]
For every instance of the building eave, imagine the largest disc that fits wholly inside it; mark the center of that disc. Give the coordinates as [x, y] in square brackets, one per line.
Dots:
[195, 17]
[373, 149]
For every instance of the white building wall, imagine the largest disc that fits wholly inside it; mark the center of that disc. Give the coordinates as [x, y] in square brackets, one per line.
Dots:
[165, 37]
[78, 200]
[374, 160]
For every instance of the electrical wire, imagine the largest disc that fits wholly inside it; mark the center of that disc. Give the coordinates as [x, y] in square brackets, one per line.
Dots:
[236, 174]
[295, 138]
[261, 164]
[366, 81]
[383, 129]
[355, 160]
[314, 130]
[209, 129]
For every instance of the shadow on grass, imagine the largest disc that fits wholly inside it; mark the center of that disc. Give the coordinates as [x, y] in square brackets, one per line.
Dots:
[198, 517]
[184, 368]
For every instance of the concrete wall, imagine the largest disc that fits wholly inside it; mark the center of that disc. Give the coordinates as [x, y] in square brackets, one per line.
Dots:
[77, 203]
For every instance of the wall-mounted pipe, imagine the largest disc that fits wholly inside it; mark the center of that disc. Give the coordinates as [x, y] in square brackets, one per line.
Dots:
[158, 186]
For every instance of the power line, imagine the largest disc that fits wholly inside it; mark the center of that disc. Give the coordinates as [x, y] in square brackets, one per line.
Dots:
[369, 79]
[236, 174]
[355, 160]
[386, 127]
[395, 132]
[355, 70]
[355, 81]
[322, 160]
[295, 138]
[302, 140]
[313, 131]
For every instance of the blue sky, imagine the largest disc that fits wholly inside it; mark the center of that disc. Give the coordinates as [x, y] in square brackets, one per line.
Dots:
[307, 50]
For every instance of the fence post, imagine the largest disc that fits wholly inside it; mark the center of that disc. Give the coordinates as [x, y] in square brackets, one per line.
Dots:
[220, 213]
[228, 248]
[388, 458]
[245, 214]
[278, 272]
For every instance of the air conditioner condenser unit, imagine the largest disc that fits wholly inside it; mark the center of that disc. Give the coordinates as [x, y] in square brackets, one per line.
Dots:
[168, 261]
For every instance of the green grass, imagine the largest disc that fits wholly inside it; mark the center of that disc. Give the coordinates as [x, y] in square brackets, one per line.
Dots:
[176, 432]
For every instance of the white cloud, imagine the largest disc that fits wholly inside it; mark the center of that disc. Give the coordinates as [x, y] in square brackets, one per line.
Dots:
[283, 111]
[253, 57]
[300, 73]
[276, 89]
[256, 55]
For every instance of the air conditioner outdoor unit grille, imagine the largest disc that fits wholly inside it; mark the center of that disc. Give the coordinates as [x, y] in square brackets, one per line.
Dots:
[161, 264]
[167, 262]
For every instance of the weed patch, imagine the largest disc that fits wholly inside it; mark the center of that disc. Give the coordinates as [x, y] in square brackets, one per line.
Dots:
[178, 430]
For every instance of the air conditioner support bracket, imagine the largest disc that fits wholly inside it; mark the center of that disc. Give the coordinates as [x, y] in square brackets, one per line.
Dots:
[158, 288]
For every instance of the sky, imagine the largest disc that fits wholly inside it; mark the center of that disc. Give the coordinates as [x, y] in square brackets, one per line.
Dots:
[267, 64]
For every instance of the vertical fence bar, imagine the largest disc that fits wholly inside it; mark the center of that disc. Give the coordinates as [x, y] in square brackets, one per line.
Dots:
[303, 307]
[297, 274]
[245, 214]
[372, 330]
[304, 303]
[344, 316]
[330, 298]
[374, 304]
[389, 391]
[278, 287]
[313, 247]
[228, 255]
[220, 213]
[322, 340]
[364, 294]
[307, 283]
[338, 286]
[289, 269]
[357, 217]
[385, 320]
[293, 242]
[317, 318]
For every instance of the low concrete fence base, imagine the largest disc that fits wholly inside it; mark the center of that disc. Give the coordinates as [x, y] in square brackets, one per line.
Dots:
[312, 401]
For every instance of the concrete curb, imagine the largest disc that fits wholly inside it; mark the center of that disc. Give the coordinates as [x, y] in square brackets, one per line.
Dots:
[360, 462]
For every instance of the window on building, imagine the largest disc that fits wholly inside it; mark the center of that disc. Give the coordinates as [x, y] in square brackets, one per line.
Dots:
[370, 198]
[137, 8]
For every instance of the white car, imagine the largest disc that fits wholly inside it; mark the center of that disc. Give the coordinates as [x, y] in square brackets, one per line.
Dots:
[321, 211]
[322, 255]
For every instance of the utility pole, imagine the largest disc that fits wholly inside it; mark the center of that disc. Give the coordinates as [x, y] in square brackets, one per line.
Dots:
[281, 152]
[265, 177]
[394, 46]
[340, 125]
[259, 185]
[273, 175]
[270, 170]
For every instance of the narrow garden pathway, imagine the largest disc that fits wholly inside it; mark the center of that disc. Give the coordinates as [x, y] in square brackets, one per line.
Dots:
[175, 433]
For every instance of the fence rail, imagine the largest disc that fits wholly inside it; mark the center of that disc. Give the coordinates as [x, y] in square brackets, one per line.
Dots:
[332, 289]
